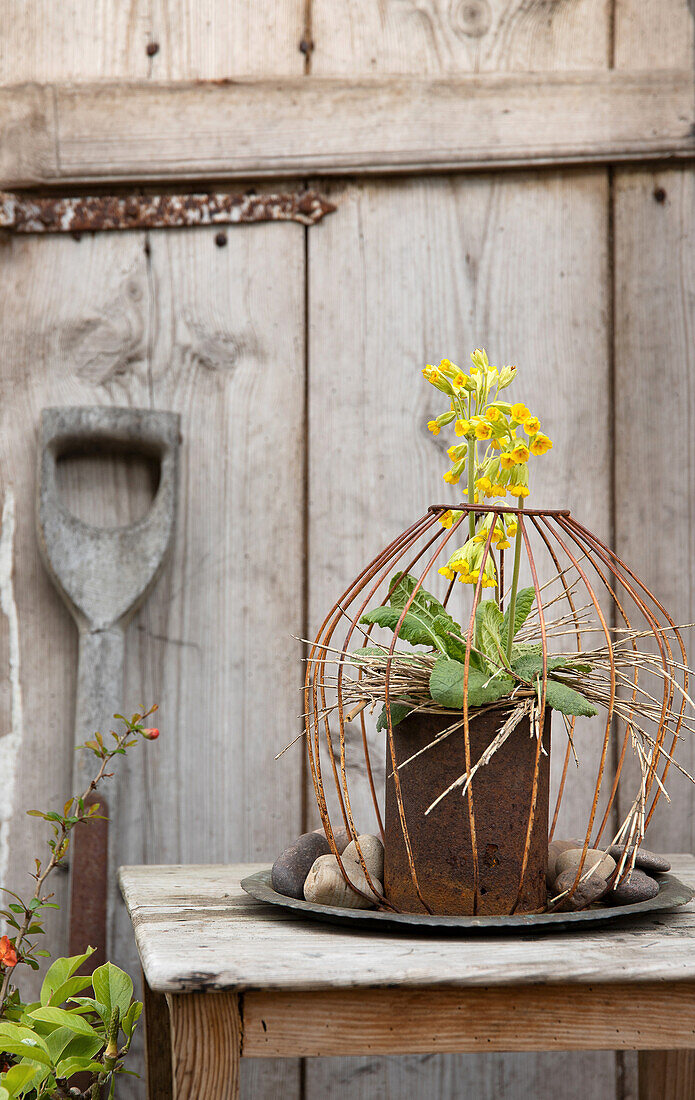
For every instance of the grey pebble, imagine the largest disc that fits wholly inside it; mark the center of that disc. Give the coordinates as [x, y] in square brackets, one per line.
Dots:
[644, 860]
[340, 835]
[599, 862]
[555, 850]
[292, 867]
[638, 887]
[593, 889]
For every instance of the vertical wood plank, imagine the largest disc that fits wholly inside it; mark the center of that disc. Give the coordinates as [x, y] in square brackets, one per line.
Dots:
[653, 214]
[206, 1044]
[433, 267]
[666, 1073]
[171, 321]
[158, 1067]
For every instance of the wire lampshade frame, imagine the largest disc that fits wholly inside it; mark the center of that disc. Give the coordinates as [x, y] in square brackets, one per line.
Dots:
[596, 592]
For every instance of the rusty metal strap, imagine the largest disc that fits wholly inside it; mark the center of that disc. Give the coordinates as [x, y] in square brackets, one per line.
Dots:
[27, 214]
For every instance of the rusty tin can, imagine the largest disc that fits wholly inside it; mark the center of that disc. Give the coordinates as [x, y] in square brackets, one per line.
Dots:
[441, 841]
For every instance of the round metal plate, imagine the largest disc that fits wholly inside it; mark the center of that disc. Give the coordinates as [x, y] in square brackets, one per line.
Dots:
[672, 893]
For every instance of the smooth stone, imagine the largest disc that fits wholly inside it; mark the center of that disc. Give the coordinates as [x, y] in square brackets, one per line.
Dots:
[644, 860]
[599, 862]
[325, 885]
[638, 887]
[340, 835]
[293, 865]
[555, 850]
[372, 853]
[588, 892]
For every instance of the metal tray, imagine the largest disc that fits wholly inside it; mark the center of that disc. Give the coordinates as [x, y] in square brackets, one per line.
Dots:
[672, 893]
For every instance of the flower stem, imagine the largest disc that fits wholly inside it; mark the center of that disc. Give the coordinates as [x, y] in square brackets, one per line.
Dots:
[515, 585]
[471, 485]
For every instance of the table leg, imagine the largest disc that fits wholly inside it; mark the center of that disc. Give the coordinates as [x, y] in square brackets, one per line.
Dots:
[205, 1045]
[157, 1044]
[666, 1074]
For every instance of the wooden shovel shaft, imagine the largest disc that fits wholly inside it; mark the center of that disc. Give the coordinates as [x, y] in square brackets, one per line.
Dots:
[99, 695]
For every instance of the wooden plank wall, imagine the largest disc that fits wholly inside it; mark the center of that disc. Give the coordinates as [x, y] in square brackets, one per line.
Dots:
[407, 270]
[172, 321]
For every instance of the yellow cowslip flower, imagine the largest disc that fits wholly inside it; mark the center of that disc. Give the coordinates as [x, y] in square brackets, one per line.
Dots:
[520, 412]
[433, 426]
[511, 527]
[541, 444]
[447, 367]
[460, 381]
[483, 430]
[447, 518]
[507, 460]
[506, 377]
[462, 427]
[484, 484]
[451, 478]
[532, 425]
[496, 444]
[503, 544]
[520, 453]
[492, 414]
[498, 491]
[447, 572]
[519, 490]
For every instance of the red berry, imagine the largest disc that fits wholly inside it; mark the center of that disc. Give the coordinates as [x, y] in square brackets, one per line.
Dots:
[151, 734]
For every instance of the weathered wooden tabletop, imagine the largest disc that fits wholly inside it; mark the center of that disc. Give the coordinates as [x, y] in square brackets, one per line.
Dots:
[196, 929]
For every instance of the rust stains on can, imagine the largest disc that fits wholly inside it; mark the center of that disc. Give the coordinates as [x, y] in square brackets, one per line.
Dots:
[30, 214]
[441, 840]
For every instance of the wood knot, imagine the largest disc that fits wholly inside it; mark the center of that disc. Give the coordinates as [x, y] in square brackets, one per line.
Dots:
[471, 17]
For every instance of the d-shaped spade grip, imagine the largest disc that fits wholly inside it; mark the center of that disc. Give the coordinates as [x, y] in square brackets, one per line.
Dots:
[104, 575]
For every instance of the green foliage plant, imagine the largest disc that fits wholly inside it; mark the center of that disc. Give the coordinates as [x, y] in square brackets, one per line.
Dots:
[81, 1028]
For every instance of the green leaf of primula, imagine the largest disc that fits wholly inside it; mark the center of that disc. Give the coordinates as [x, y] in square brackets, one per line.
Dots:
[417, 626]
[61, 1017]
[399, 711]
[567, 700]
[525, 649]
[424, 600]
[446, 685]
[59, 972]
[456, 646]
[522, 610]
[488, 622]
[531, 665]
[113, 987]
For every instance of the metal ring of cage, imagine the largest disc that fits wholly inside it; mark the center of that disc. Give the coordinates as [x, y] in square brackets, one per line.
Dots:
[571, 548]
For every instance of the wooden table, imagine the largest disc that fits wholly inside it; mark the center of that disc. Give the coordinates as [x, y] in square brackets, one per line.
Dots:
[226, 977]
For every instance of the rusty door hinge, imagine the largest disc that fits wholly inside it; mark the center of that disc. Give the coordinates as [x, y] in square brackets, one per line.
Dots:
[27, 214]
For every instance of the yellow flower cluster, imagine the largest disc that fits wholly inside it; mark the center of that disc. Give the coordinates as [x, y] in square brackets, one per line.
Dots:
[465, 562]
[512, 432]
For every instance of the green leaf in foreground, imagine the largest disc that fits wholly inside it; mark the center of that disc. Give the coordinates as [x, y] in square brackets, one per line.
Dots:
[417, 626]
[522, 610]
[567, 700]
[446, 685]
[399, 711]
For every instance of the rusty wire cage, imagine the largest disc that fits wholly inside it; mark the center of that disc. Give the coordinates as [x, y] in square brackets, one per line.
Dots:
[482, 848]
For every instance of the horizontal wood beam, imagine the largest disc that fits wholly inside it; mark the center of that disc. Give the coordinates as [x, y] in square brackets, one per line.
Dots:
[629, 1016]
[83, 134]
